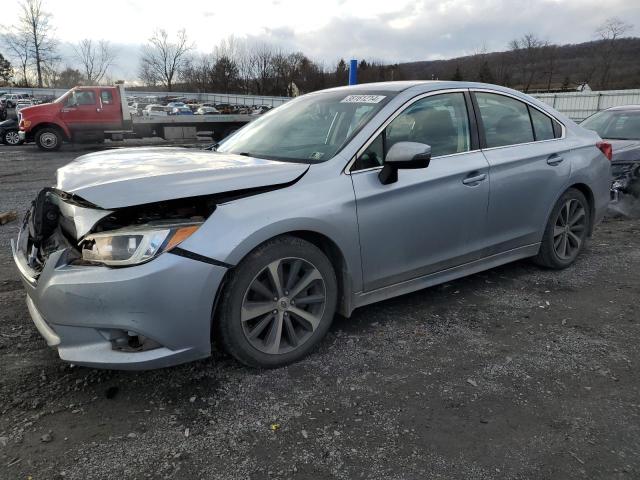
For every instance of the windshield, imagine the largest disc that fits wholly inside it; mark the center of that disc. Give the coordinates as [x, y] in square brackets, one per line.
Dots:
[310, 129]
[615, 124]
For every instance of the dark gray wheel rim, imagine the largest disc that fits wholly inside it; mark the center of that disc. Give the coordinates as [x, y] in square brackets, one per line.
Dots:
[283, 306]
[49, 140]
[12, 138]
[569, 229]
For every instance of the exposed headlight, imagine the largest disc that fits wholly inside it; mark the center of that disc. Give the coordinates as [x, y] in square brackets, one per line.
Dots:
[132, 246]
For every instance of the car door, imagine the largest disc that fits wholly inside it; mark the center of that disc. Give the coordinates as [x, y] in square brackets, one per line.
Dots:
[109, 114]
[429, 219]
[529, 167]
[80, 111]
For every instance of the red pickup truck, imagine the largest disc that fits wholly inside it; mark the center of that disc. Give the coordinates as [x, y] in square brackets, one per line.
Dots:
[92, 114]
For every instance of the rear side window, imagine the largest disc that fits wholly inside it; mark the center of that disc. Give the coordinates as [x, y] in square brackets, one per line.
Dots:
[106, 96]
[542, 125]
[506, 120]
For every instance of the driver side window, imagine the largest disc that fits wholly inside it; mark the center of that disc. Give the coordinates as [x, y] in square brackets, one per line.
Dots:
[440, 121]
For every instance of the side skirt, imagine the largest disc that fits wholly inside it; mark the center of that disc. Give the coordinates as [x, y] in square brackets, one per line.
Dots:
[408, 286]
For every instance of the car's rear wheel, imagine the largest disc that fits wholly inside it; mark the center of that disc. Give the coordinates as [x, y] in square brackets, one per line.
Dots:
[566, 232]
[278, 304]
[11, 137]
[48, 139]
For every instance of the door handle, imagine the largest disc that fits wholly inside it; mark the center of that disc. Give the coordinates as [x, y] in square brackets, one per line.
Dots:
[98, 110]
[475, 179]
[554, 159]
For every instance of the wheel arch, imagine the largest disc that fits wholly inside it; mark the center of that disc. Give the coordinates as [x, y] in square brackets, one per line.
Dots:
[588, 193]
[66, 135]
[335, 255]
[329, 247]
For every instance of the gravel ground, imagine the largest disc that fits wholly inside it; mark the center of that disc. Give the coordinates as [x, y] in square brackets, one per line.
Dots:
[513, 373]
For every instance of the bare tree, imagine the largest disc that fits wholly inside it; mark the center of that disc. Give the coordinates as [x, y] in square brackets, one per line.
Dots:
[163, 59]
[527, 51]
[196, 72]
[609, 32]
[262, 66]
[18, 46]
[34, 23]
[549, 53]
[94, 58]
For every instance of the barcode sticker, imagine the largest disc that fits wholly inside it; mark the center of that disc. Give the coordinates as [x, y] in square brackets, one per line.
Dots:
[363, 99]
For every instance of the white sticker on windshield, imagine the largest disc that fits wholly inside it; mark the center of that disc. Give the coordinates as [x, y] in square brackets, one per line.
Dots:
[363, 99]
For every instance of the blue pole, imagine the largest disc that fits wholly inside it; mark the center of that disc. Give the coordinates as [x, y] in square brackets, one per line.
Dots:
[353, 72]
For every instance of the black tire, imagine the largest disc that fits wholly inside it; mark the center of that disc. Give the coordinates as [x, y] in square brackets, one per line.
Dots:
[560, 246]
[229, 327]
[49, 139]
[11, 138]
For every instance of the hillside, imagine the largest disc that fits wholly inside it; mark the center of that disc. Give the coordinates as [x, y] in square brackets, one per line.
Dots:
[601, 64]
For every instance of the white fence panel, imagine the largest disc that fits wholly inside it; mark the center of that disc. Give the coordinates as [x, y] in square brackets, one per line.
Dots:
[580, 105]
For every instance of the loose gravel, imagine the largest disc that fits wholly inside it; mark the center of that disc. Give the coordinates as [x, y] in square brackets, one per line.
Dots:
[513, 373]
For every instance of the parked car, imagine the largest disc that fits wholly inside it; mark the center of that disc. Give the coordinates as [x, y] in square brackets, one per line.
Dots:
[11, 99]
[22, 104]
[137, 108]
[224, 108]
[620, 126]
[181, 111]
[259, 110]
[154, 111]
[207, 111]
[176, 105]
[9, 132]
[336, 200]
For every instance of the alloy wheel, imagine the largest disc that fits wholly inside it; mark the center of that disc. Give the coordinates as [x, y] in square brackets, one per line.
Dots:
[570, 229]
[12, 138]
[283, 305]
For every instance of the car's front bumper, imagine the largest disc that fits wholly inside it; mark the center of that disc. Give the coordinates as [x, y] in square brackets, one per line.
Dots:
[81, 310]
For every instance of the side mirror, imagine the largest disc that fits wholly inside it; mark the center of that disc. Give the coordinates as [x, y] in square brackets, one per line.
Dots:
[404, 155]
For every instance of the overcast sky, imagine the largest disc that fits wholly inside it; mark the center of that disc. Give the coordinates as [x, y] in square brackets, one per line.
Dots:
[389, 30]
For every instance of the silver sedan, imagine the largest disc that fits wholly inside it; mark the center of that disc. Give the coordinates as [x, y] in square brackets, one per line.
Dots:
[139, 258]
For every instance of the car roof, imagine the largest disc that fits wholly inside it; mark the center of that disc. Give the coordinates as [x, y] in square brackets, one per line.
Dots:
[422, 86]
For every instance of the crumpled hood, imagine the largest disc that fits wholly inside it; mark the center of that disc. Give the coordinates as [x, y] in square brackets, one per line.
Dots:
[136, 176]
[625, 150]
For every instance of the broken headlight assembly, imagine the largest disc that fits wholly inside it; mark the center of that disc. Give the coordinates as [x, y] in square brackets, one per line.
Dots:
[135, 245]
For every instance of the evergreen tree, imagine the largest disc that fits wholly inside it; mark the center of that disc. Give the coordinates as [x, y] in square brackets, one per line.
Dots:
[457, 76]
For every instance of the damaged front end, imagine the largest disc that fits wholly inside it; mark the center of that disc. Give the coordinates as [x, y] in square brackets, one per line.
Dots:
[65, 238]
[90, 235]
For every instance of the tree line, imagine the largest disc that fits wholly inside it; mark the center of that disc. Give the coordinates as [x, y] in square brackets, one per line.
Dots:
[30, 57]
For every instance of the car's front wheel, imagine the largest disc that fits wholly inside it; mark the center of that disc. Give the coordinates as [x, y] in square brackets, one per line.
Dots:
[278, 303]
[566, 232]
[11, 137]
[48, 139]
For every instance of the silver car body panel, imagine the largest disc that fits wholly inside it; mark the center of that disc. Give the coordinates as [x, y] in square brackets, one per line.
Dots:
[136, 176]
[427, 228]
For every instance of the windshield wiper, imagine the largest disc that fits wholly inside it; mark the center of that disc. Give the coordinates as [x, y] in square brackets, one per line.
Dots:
[213, 147]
